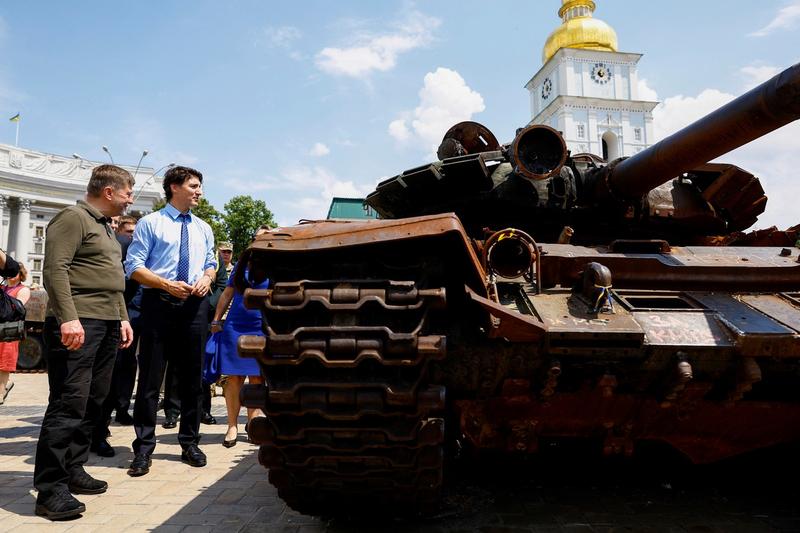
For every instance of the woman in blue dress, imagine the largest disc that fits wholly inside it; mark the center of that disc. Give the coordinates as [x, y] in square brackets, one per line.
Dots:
[240, 321]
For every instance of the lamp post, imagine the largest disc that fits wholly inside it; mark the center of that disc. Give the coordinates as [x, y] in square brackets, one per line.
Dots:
[79, 158]
[139, 164]
[150, 180]
[105, 149]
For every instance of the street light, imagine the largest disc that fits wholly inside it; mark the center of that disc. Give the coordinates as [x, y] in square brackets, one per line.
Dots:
[150, 180]
[144, 153]
[105, 149]
[79, 158]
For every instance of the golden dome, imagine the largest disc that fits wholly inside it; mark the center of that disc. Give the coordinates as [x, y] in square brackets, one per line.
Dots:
[579, 30]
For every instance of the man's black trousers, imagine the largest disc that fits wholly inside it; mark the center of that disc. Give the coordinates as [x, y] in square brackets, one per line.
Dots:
[79, 382]
[171, 330]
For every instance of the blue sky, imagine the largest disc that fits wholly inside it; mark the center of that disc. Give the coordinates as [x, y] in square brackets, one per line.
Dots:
[296, 102]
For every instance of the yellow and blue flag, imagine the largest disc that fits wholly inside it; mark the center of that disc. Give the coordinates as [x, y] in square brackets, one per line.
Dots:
[15, 118]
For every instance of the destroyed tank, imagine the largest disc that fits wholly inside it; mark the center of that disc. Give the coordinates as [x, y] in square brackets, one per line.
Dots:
[512, 296]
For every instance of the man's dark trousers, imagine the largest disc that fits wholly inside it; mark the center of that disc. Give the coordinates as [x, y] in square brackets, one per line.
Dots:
[79, 382]
[173, 330]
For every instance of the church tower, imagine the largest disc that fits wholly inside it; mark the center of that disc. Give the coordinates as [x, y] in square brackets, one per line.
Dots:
[588, 90]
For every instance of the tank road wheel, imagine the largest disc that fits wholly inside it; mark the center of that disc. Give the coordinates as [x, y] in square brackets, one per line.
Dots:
[31, 353]
[352, 423]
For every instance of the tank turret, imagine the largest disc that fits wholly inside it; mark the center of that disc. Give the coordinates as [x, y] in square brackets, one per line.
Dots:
[668, 191]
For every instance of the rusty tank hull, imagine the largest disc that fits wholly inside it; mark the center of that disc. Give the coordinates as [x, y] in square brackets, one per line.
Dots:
[389, 343]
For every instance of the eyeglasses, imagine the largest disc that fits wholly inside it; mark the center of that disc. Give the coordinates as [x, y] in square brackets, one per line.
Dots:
[226, 251]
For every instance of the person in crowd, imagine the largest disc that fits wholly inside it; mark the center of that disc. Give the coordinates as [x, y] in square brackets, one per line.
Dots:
[125, 228]
[239, 321]
[226, 254]
[172, 402]
[124, 375]
[172, 256]
[114, 223]
[8, 265]
[86, 322]
[9, 351]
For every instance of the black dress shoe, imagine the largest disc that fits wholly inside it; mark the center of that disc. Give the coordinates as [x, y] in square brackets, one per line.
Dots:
[208, 419]
[229, 443]
[170, 421]
[193, 456]
[81, 482]
[123, 418]
[140, 465]
[58, 505]
[102, 448]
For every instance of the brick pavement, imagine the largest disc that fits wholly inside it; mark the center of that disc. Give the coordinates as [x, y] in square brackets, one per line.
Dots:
[232, 493]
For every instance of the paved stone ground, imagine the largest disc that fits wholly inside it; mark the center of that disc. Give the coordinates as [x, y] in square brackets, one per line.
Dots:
[555, 493]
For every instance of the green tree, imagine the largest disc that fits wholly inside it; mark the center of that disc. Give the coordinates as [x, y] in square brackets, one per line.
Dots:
[215, 219]
[243, 216]
[209, 213]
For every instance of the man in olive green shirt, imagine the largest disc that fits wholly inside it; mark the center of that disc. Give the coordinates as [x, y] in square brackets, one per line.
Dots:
[86, 322]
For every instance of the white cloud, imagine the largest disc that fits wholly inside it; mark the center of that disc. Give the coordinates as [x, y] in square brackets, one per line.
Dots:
[444, 100]
[301, 192]
[646, 93]
[772, 158]
[319, 150]
[678, 111]
[368, 52]
[399, 130]
[787, 18]
[756, 75]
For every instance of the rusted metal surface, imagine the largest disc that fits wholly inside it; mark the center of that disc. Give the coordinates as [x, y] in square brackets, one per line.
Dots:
[467, 138]
[571, 328]
[689, 268]
[538, 152]
[705, 431]
[507, 324]
[782, 309]
[350, 412]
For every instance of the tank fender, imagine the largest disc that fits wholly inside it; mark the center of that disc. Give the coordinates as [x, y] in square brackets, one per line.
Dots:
[318, 236]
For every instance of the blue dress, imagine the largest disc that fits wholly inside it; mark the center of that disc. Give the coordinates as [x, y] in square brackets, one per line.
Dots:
[240, 321]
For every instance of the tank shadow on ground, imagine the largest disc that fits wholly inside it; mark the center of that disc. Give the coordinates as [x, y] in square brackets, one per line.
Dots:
[563, 489]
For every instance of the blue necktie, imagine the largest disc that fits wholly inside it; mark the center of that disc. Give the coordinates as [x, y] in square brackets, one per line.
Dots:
[183, 254]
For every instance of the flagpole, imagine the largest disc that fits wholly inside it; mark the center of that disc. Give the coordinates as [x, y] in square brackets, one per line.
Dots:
[16, 139]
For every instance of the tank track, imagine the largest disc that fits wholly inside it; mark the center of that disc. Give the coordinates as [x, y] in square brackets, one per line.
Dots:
[351, 421]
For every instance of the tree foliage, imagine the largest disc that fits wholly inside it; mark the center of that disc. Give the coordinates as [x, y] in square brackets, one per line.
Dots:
[243, 216]
[215, 219]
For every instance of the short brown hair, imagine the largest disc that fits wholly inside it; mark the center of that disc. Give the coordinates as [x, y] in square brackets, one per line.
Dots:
[178, 176]
[23, 273]
[108, 176]
[126, 219]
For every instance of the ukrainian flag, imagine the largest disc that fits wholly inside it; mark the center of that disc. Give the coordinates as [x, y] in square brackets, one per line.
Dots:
[15, 118]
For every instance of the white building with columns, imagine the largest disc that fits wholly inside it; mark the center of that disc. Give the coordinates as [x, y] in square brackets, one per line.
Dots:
[588, 90]
[34, 186]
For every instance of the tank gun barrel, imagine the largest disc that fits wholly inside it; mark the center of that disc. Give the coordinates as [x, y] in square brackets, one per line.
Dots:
[765, 108]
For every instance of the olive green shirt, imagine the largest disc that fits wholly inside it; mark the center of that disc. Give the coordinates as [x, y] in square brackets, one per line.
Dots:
[83, 272]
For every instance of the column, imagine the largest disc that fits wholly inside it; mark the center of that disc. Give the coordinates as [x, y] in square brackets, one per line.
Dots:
[3, 227]
[23, 233]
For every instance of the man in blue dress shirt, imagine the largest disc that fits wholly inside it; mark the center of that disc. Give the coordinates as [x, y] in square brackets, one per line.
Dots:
[173, 256]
